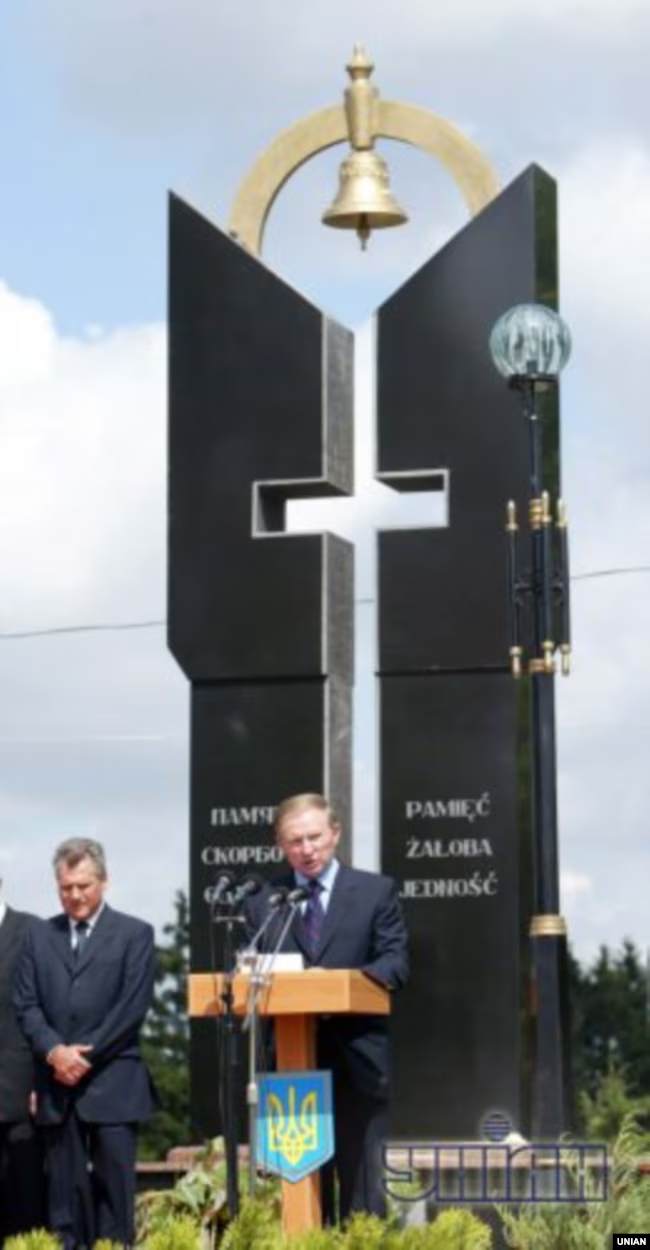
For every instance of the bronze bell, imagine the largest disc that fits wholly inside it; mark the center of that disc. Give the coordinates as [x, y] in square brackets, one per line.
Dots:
[364, 201]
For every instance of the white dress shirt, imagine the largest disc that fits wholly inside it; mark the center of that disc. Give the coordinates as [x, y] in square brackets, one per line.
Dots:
[90, 922]
[327, 878]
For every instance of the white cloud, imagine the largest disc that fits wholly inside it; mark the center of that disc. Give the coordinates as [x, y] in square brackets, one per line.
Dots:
[27, 337]
[93, 727]
[605, 206]
[82, 472]
[603, 721]
[223, 79]
[574, 884]
[101, 47]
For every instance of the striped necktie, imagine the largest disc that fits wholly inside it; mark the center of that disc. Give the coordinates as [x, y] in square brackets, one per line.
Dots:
[313, 917]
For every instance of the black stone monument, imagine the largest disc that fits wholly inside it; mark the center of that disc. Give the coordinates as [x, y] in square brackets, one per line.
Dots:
[261, 621]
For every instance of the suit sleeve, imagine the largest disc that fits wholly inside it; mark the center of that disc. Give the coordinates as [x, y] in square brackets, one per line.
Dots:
[124, 1017]
[31, 1017]
[388, 961]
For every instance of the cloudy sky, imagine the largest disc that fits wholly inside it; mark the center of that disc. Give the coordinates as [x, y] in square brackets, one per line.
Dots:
[105, 106]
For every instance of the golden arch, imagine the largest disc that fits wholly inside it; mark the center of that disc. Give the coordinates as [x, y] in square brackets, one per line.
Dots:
[407, 123]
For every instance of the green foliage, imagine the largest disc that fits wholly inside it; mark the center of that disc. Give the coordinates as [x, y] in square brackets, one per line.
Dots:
[177, 1232]
[367, 1232]
[549, 1227]
[200, 1195]
[257, 1227]
[200, 1198]
[317, 1239]
[451, 1230]
[610, 1021]
[165, 1039]
[38, 1239]
[558, 1226]
[602, 1114]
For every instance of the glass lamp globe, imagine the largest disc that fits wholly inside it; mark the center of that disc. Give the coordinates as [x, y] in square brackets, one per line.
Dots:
[530, 341]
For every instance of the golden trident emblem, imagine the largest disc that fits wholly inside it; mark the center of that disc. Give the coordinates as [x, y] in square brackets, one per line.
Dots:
[291, 1134]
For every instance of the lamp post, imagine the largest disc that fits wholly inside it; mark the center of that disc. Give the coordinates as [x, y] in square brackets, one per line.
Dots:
[530, 344]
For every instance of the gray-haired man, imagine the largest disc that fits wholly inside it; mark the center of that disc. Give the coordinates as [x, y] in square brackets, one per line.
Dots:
[83, 987]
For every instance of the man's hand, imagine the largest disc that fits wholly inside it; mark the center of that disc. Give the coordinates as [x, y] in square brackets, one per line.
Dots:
[69, 1063]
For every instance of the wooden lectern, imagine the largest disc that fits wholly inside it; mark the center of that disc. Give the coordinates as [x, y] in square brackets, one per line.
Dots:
[294, 999]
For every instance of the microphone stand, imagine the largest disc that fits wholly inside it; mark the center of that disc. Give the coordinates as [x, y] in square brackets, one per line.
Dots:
[229, 1071]
[258, 979]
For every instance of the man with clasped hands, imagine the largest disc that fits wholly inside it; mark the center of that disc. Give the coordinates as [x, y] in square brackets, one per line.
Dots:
[350, 919]
[83, 986]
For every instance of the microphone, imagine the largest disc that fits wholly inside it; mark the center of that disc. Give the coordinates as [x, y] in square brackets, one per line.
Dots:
[299, 895]
[276, 900]
[252, 884]
[222, 885]
[278, 897]
[293, 900]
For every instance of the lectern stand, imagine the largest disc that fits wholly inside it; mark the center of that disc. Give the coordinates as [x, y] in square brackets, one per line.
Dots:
[294, 999]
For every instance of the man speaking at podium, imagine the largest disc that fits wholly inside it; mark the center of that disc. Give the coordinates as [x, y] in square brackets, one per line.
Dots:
[350, 919]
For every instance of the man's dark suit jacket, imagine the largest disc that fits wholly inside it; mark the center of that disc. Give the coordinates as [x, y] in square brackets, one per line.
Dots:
[16, 1062]
[363, 928]
[99, 999]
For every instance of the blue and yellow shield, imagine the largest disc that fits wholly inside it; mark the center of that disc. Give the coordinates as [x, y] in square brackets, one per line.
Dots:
[295, 1123]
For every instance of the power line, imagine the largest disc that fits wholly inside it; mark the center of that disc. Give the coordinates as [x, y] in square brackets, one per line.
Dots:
[633, 568]
[159, 624]
[82, 629]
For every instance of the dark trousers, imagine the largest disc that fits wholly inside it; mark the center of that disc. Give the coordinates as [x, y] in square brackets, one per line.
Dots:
[21, 1179]
[360, 1127]
[84, 1205]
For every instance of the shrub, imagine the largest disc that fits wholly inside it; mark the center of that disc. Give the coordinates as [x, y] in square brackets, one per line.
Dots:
[367, 1232]
[559, 1226]
[177, 1232]
[199, 1195]
[451, 1230]
[38, 1239]
[603, 1114]
[257, 1227]
[318, 1239]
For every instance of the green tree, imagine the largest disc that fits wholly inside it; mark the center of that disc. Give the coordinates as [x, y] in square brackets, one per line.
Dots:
[165, 1039]
[612, 1023]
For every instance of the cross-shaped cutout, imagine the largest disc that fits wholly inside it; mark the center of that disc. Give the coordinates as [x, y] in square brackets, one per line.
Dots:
[415, 499]
[410, 500]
